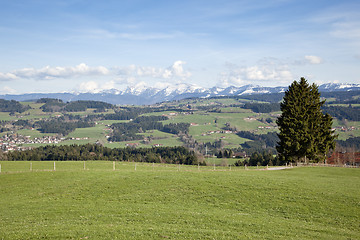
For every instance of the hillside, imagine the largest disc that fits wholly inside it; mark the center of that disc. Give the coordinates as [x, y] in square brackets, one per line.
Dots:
[206, 125]
[148, 96]
[163, 201]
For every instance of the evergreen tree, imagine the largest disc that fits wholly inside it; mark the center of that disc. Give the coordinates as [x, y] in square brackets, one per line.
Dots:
[305, 132]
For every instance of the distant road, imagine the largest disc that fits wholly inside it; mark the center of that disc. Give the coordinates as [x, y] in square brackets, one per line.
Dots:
[278, 168]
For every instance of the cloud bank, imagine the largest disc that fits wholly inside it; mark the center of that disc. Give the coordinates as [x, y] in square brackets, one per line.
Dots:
[48, 72]
[265, 72]
[176, 70]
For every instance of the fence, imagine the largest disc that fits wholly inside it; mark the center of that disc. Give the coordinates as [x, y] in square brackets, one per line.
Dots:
[327, 165]
[38, 166]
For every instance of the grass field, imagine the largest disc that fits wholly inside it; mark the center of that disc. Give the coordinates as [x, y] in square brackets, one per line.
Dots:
[165, 202]
[203, 124]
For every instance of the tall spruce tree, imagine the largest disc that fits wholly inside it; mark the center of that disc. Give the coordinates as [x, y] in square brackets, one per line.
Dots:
[305, 132]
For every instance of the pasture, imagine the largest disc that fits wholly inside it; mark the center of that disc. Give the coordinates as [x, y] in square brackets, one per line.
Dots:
[155, 201]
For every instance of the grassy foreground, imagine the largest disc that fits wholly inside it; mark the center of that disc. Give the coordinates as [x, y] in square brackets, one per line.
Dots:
[158, 202]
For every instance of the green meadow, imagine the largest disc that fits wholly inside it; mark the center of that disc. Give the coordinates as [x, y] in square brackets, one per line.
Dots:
[91, 200]
[205, 124]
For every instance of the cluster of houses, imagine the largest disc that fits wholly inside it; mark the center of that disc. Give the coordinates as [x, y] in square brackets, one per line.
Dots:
[173, 114]
[345, 129]
[265, 127]
[134, 145]
[219, 131]
[11, 142]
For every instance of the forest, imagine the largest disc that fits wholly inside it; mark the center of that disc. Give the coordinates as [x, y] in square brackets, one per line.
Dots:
[12, 106]
[199, 124]
[57, 105]
[260, 159]
[173, 155]
[349, 113]
[61, 127]
[128, 131]
[262, 107]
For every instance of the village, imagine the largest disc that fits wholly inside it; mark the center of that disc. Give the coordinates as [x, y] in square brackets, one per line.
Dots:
[12, 142]
[18, 142]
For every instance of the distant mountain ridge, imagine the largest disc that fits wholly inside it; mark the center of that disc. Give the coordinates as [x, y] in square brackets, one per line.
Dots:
[148, 95]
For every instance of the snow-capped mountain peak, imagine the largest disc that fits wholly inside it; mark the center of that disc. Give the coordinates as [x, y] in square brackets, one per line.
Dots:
[141, 94]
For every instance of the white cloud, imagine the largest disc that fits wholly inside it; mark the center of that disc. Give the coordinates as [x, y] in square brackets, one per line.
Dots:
[90, 86]
[129, 75]
[94, 87]
[174, 71]
[7, 76]
[313, 59]
[109, 85]
[267, 73]
[149, 72]
[178, 71]
[133, 74]
[48, 72]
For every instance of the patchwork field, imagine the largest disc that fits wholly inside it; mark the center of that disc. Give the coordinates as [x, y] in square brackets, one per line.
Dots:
[176, 202]
[209, 121]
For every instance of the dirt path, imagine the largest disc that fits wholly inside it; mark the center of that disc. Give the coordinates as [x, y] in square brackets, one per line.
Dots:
[278, 168]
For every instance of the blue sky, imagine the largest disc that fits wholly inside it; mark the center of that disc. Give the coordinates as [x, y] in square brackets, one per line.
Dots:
[89, 46]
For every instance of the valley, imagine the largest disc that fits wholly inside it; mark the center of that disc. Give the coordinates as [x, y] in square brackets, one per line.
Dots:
[208, 125]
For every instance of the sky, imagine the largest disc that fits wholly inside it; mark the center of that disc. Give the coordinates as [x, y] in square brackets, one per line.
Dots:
[91, 46]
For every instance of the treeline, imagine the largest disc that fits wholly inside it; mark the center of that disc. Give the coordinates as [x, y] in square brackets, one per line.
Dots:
[261, 159]
[126, 113]
[260, 142]
[266, 97]
[176, 128]
[61, 127]
[129, 131]
[349, 113]
[343, 97]
[226, 153]
[79, 106]
[262, 107]
[173, 155]
[23, 123]
[57, 105]
[51, 105]
[12, 106]
[353, 142]
[49, 100]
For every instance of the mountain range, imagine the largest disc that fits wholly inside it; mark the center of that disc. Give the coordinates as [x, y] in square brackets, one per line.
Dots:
[148, 95]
